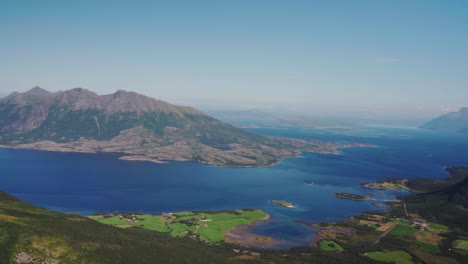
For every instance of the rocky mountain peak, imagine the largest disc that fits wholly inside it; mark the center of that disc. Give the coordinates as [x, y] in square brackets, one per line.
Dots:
[119, 93]
[37, 90]
[80, 90]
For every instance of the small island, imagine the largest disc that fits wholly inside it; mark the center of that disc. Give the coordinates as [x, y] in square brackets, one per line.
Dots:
[283, 203]
[388, 184]
[352, 196]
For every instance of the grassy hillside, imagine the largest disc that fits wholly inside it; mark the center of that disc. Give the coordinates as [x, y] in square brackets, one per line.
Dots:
[37, 235]
[46, 235]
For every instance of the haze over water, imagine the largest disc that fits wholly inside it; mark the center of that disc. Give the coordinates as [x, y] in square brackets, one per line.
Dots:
[87, 183]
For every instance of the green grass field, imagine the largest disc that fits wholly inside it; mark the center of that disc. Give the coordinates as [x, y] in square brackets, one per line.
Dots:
[329, 245]
[398, 257]
[439, 227]
[430, 248]
[461, 244]
[150, 222]
[403, 228]
[205, 226]
[460, 251]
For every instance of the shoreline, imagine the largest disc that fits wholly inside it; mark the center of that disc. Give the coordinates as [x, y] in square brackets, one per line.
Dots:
[126, 156]
[138, 157]
[319, 235]
[238, 235]
[242, 235]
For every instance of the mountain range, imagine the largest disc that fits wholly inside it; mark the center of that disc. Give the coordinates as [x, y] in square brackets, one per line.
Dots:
[451, 122]
[138, 127]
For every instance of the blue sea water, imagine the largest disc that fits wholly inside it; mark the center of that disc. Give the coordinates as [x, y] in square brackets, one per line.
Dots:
[86, 183]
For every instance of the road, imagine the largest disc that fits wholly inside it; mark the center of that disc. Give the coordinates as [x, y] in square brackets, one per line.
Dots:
[386, 232]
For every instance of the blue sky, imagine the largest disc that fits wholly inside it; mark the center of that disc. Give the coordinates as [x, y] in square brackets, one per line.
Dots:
[394, 58]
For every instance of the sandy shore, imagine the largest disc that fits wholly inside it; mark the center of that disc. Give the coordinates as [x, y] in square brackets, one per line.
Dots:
[244, 236]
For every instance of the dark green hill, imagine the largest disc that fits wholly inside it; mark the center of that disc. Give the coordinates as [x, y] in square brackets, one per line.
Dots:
[446, 204]
[424, 185]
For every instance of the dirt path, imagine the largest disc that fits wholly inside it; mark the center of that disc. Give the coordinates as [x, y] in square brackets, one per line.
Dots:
[404, 206]
[384, 234]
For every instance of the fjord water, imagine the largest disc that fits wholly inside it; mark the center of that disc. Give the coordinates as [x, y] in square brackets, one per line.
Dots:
[87, 183]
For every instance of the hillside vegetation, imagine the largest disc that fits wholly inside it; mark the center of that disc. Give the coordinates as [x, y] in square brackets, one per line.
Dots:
[29, 234]
[26, 230]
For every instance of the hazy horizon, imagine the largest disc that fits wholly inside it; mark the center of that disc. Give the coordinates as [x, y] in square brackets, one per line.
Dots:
[393, 59]
[404, 117]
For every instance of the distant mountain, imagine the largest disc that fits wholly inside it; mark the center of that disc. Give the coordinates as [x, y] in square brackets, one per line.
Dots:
[37, 90]
[451, 122]
[138, 126]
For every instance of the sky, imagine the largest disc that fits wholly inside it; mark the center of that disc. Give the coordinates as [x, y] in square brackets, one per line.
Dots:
[385, 58]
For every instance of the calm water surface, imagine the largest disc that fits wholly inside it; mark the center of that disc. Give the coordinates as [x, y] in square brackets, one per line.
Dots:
[86, 183]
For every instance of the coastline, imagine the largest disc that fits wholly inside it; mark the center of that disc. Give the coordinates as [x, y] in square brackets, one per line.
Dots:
[52, 146]
[242, 235]
[320, 234]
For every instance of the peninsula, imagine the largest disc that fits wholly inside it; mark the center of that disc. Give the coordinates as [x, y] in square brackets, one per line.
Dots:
[140, 128]
[388, 184]
[352, 196]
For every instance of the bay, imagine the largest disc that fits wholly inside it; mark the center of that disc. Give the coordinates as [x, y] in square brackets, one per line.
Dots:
[87, 183]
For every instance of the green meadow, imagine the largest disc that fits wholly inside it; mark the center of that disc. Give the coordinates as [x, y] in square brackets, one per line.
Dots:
[329, 245]
[203, 226]
[439, 227]
[398, 257]
[429, 248]
[404, 228]
[461, 244]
